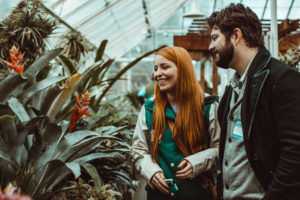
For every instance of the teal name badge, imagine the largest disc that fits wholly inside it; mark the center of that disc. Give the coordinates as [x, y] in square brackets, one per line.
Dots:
[238, 130]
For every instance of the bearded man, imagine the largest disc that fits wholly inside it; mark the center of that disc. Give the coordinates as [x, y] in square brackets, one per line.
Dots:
[259, 112]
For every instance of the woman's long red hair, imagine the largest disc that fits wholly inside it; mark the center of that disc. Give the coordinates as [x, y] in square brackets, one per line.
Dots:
[188, 131]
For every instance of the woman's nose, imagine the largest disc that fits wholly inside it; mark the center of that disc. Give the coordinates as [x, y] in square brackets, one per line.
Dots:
[157, 73]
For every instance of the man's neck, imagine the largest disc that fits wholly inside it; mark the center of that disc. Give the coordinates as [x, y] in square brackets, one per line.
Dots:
[242, 58]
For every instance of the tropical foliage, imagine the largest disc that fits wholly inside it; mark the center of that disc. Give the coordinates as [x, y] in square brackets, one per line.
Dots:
[12, 193]
[75, 45]
[36, 151]
[26, 27]
[46, 139]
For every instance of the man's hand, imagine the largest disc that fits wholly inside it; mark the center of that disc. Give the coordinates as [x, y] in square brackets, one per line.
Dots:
[186, 171]
[157, 181]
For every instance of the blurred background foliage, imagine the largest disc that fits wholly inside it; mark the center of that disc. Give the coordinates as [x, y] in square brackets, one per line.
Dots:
[37, 153]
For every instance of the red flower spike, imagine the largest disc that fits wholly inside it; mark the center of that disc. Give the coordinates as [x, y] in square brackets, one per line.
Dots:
[79, 110]
[16, 60]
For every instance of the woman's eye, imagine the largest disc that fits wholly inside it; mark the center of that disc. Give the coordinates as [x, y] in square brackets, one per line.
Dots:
[165, 66]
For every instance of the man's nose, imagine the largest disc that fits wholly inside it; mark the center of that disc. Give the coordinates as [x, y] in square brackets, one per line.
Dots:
[211, 46]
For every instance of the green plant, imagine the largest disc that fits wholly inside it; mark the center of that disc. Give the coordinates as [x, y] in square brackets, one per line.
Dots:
[36, 153]
[12, 193]
[95, 82]
[75, 45]
[26, 27]
[82, 190]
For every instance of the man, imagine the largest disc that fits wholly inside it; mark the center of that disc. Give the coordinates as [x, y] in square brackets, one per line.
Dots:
[259, 112]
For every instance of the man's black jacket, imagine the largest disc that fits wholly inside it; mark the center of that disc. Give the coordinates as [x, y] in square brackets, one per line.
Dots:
[270, 115]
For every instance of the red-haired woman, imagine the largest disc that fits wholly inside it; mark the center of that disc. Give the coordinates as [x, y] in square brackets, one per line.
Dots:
[176, 139]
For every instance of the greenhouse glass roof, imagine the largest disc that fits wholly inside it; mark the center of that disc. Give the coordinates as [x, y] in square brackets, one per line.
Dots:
[125, 23]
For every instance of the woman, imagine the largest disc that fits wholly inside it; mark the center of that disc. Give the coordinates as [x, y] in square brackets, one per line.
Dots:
[172, 139]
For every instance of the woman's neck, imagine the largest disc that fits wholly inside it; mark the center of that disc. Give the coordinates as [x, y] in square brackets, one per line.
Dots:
[172, 99]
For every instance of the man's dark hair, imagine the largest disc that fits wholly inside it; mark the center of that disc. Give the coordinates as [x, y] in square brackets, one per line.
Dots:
[237, 16]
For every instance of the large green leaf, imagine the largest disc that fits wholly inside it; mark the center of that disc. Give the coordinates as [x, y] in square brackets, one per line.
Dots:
[35, 150]
[68, 64]
[9, 129]
[18, 109]
[49, 98]
[9, 84]
[51, 137]
[17, 151]
[122, 177]
[51, 174]
[100, 51]
[43, 73]
[69, 88]
[109, 150]
[5, 157]
[95, 77]
[108, 130]
[75, 168]
[55, 174]
[66, 111]
[80, 149]
[33, 69]
[40, 86]
[86, 77]
[77, 136]
[98, 156]
[92, 171]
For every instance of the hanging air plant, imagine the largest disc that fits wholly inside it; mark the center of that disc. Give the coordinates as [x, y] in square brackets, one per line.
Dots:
[74, 45]
[26, 27]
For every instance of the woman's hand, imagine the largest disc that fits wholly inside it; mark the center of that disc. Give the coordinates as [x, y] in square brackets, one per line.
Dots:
[187, 170]
[157, 181]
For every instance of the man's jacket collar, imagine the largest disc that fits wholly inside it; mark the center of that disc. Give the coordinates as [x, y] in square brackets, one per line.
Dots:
[259, 62]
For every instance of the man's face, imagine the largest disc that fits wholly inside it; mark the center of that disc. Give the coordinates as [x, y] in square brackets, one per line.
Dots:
[221, 48]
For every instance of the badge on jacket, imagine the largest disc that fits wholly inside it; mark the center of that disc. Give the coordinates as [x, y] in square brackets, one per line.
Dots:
[238, 131]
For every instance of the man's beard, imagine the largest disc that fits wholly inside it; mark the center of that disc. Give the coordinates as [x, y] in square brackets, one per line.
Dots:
[225, 55]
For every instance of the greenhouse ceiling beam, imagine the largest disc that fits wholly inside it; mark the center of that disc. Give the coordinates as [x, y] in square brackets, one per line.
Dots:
[290, 8]
[68, 25]
[109, 6]
[265, 7]
[158, 17]
[215, 4]
[145, 7]
[57, 3]
[78, 8]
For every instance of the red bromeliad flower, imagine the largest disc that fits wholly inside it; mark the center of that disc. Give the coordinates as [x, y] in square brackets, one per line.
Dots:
[16, 60]
[79, 110]
[12, 193]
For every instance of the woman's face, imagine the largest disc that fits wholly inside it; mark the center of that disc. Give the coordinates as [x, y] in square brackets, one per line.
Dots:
[165, 73]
